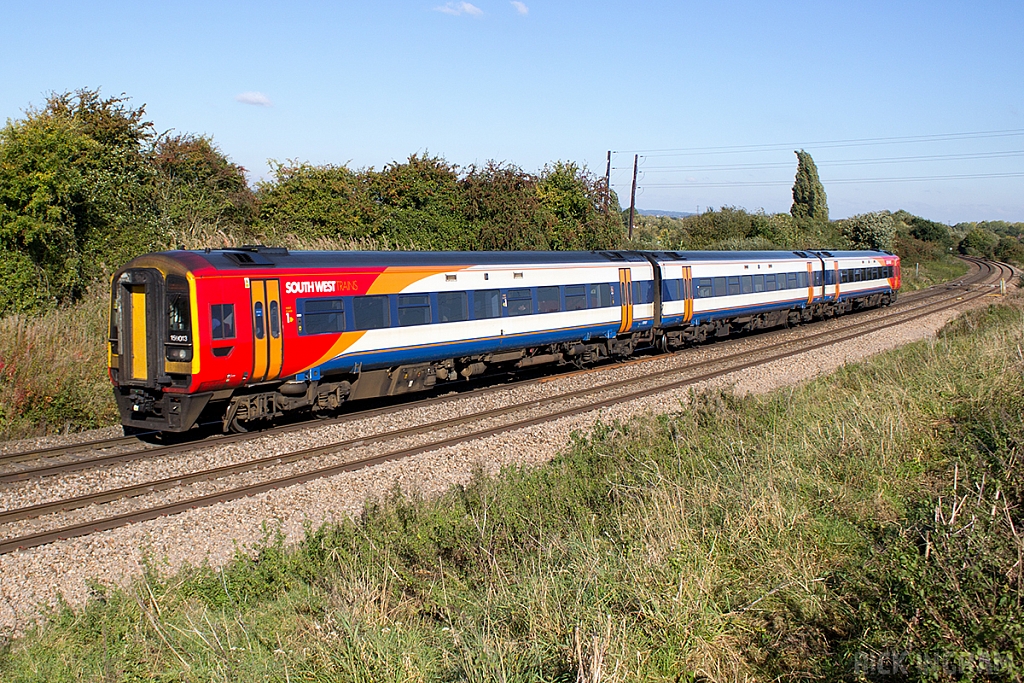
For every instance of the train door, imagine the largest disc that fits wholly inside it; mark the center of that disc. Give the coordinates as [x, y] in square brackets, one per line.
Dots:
[687, 294]
[268, 342]
[835, 267]
[810, 283]
[626, 299]
[134, 334]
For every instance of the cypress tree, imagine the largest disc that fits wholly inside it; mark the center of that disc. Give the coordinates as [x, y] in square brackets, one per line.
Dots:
[809, 200]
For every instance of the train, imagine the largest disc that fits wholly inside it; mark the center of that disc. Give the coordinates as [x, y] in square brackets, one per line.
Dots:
[244, 335]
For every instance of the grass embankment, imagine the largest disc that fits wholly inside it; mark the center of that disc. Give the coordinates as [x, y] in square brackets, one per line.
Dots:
[931, 272]
[796, 534]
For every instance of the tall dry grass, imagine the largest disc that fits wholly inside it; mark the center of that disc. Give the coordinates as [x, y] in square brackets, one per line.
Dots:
[53, 370]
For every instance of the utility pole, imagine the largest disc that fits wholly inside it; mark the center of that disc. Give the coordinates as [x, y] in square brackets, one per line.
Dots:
[608, 182]
[632, 196]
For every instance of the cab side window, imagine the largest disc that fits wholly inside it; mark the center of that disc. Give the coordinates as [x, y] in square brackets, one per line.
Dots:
[222, 321]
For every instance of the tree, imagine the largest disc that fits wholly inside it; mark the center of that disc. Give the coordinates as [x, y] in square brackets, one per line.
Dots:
[571, 202]
[979, 242]
[310, 202]
[198, 187]
[503, 205]
[1011, 250]
[421, 205]
[870, 230]
[77, 197]
[809, 200]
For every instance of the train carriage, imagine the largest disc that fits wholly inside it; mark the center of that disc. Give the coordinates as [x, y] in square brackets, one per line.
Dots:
[240, 335]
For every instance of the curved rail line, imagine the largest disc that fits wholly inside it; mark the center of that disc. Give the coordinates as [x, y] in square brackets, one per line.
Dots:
[685, 376]
[141, 450]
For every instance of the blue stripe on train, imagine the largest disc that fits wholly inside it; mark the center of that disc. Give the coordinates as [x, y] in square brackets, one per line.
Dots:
[718, 314]
[371, 360]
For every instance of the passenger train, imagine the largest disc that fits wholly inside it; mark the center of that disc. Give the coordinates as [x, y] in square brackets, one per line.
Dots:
[248, 334]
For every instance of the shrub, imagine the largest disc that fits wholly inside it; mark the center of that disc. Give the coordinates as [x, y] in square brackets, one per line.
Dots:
[979, 242]
[870, 230]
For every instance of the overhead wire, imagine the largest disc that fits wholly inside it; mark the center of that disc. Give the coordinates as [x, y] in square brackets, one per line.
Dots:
[840, 162]
[838, 181]
[824, 144]
[824, 164]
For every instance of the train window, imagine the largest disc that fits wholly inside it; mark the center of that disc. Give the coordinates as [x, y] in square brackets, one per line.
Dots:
[817, 278]
[601, 295]
[322, 316]
[275, 319]
[759, 283]
[520, 302]
[704, 288]
[844, 276]
[747, 284]
[734, 285]
[259, 326]
[179, 319]
[792, 280]
[452, 307]
[371, 312]
[575, 297]
[720, 288]
[670, 290]
[801, 279]
[769, 282]
[548, 300]
[874, 274]
[486, 304]
[643, 292]
[222, 321]
[413, 309]
[856, 275]
[830, 277]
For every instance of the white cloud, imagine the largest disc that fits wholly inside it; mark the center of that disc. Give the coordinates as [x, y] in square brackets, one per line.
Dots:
[457, 8]
[254, 98]
[521, 7]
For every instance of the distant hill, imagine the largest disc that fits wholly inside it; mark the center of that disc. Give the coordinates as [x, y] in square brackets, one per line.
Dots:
[670, 214]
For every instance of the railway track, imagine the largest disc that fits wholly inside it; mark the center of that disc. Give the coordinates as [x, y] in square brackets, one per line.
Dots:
[450, 432]
[104, 452]
[62, 459]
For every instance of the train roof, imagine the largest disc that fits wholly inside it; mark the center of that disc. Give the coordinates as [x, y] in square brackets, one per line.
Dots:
[232, 259]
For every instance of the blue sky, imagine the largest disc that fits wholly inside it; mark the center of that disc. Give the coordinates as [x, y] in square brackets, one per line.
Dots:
[531, 82]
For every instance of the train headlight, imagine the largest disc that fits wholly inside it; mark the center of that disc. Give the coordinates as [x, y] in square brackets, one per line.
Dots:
[179, 354]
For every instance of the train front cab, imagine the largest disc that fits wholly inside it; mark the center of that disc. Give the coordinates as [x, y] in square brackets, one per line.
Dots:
[153, 354]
